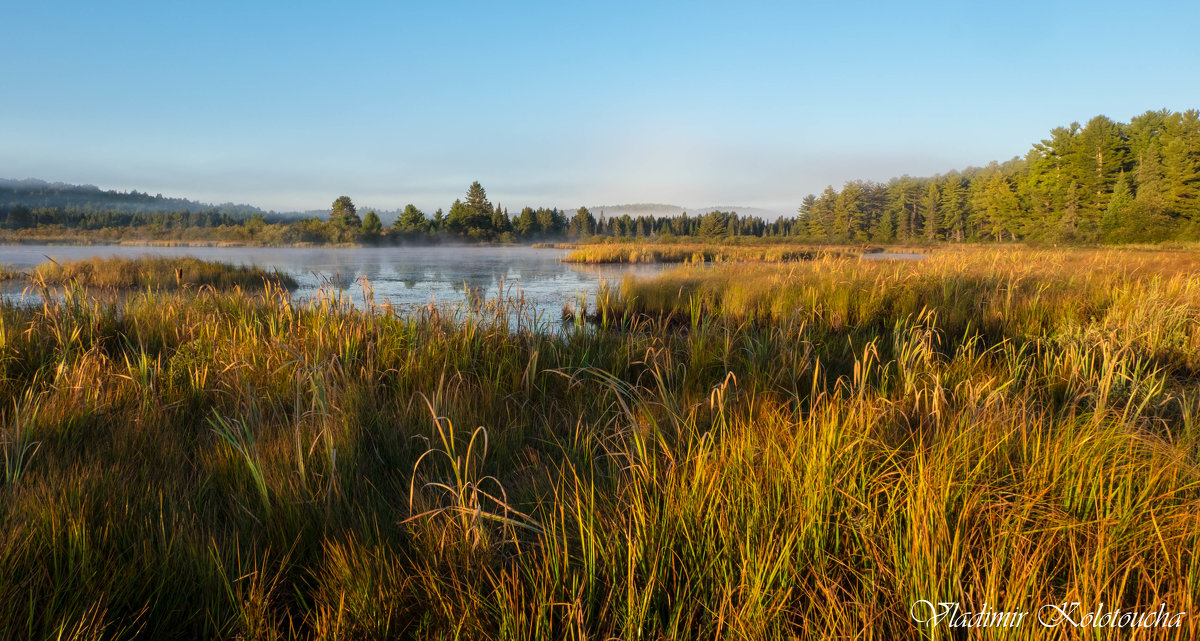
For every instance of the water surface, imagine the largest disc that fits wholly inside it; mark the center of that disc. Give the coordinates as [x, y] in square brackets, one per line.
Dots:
[893, 256]
[405, 277]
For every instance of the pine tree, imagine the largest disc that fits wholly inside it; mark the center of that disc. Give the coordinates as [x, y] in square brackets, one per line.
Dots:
[1152, 193]
[1068, 223]
[410, 221]
[477, 198]
[902, 205]
[803, 225]
[372, 227]
[1116, 214]
[821, 223]
[472, 218]
[996, 206]
[1181, 165]
[885, 227]
[526, 224]
[953, 207]
[929, 209]
[344, 214]
[849, 214]
[582, 224]
[1103, 155]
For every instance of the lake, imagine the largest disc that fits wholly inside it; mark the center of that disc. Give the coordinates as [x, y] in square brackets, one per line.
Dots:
[407, 277]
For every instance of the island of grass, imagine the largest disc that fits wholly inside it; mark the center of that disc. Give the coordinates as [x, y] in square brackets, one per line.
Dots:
[695, 253]
[727, 250]
[155, 273]
[751, 451]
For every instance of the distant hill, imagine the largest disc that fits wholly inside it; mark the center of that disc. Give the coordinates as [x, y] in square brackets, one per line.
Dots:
[658, 209]
[33, 193]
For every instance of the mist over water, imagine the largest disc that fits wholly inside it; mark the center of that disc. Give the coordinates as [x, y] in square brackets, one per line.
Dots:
[406, 277]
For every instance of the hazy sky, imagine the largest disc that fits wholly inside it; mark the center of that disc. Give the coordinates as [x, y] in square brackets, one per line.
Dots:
[289, 105]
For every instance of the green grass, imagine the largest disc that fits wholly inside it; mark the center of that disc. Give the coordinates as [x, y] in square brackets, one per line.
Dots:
[746, 452]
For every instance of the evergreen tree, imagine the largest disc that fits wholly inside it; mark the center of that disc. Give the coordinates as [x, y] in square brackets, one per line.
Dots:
[848, 213]
[953, 206]
[344, 214]
[582, 224]
[929, 209]
[1116, 214]
[477, 198]
[1068, 223]
[804, 217]
[902, 205]
[1152, 193]
[715, 225]
[411, 221]
[821, 221]
[552, 222]
[996, 206]
[372, 227]
[526, 225]
[472, 218]
[1181, 165]
[500, 222]
[1104, 155]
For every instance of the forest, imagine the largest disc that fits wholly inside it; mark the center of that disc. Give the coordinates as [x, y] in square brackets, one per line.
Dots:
[1102, 182]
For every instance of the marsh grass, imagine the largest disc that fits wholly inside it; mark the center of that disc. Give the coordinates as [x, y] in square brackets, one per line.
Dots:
[702, 253]
[811, 448]
[156, 273]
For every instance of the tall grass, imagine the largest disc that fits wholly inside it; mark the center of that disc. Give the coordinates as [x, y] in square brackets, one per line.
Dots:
[747, 452]
[701, 253]
[156, 273]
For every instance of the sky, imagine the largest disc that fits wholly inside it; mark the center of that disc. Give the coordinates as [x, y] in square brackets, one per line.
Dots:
[289, 105]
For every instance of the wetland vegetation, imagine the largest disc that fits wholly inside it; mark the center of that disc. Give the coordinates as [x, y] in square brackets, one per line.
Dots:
[745, 450]
[154, 273]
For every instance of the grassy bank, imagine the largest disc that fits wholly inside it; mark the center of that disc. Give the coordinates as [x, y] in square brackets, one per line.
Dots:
[750, 452]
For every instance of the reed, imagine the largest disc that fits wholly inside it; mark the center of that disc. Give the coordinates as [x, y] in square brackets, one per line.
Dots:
[157, 273]
[702, 253]
[745, 451]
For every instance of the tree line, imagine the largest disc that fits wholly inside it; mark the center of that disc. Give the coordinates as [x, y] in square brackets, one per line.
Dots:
[1101, 182]
[1104, 181]
[474, 218]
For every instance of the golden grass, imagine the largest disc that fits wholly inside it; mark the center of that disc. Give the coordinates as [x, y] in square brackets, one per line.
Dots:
[701, 253]
[155, 273]
[800, 455]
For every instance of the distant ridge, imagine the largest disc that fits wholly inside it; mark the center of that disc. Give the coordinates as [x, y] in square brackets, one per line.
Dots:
[34, 194]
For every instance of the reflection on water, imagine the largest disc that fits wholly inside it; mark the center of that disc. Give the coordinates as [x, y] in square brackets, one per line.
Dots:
[407, 277]
[893, 256]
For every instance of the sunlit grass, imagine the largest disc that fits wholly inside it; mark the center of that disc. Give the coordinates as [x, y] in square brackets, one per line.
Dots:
[746, 451]
[156, 273]
[701, 253]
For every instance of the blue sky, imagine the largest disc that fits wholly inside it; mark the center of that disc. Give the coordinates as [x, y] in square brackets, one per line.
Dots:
[289, 105]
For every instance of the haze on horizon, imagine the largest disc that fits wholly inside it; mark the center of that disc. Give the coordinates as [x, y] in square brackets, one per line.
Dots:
[550, 104]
